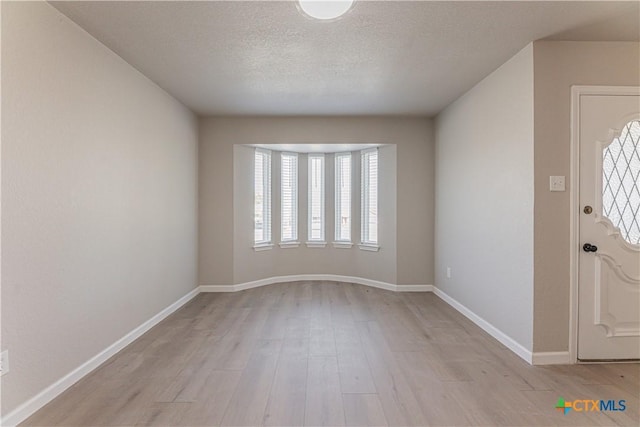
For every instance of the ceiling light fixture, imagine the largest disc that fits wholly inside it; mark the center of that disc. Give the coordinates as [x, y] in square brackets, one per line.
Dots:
[325, 9]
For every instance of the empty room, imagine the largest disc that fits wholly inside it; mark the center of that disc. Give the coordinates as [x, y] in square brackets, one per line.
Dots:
[320, 213]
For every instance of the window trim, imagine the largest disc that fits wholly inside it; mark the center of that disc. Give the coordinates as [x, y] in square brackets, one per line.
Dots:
[316, 244]
[343, 245]
[369, 247]
[294, 215]
[289, 244]
[259, 247]
[323, 220]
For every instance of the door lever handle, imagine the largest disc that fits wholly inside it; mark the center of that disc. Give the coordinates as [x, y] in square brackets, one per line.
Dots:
[588, 247]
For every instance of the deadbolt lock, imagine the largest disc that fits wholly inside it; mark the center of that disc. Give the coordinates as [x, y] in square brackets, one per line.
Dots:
[588, 209]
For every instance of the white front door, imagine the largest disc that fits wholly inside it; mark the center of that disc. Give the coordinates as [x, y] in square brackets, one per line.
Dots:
[609, 227]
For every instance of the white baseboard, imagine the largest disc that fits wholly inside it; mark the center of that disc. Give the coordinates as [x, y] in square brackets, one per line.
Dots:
[506, 340]
[217, 288]
[551, 358]
[414, 288]
[321, 277]
[29, 407]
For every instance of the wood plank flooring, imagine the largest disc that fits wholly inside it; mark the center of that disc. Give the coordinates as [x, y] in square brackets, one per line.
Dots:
[331, 354]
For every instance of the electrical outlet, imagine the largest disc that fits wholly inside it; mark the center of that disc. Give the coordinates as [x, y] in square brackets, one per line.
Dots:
[448, 272]
[4, 362]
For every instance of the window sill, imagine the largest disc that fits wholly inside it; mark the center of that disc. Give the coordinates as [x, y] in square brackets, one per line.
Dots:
[316, 244]
[343, 245]
[369, 247]
[289, 245]
[263, 247]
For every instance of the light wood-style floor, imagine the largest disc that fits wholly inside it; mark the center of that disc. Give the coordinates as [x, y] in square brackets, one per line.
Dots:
[326, 353]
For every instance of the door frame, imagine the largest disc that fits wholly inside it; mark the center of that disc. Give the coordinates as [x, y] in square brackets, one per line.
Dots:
[574, 204]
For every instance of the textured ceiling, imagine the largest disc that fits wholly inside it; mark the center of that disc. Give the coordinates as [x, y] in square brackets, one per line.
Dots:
[383, 57]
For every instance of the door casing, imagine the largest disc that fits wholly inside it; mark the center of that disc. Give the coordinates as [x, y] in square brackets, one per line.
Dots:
[574, 204]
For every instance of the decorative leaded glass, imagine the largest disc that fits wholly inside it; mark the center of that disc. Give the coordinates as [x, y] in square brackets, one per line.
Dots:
[620, 182]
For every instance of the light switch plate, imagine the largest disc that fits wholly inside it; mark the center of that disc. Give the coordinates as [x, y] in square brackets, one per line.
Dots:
[556, 183]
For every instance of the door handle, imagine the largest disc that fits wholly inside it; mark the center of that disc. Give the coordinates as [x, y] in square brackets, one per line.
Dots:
[588, 247]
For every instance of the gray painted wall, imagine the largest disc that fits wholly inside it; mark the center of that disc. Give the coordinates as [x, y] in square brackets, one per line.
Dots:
[408, 263]
[484, 198]
[99, 198]
[558, 66]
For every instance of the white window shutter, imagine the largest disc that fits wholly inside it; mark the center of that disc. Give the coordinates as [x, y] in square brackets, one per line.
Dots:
[369, 196]
[289, 197]
[343, 197]
[316, 198]
[262, 196]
